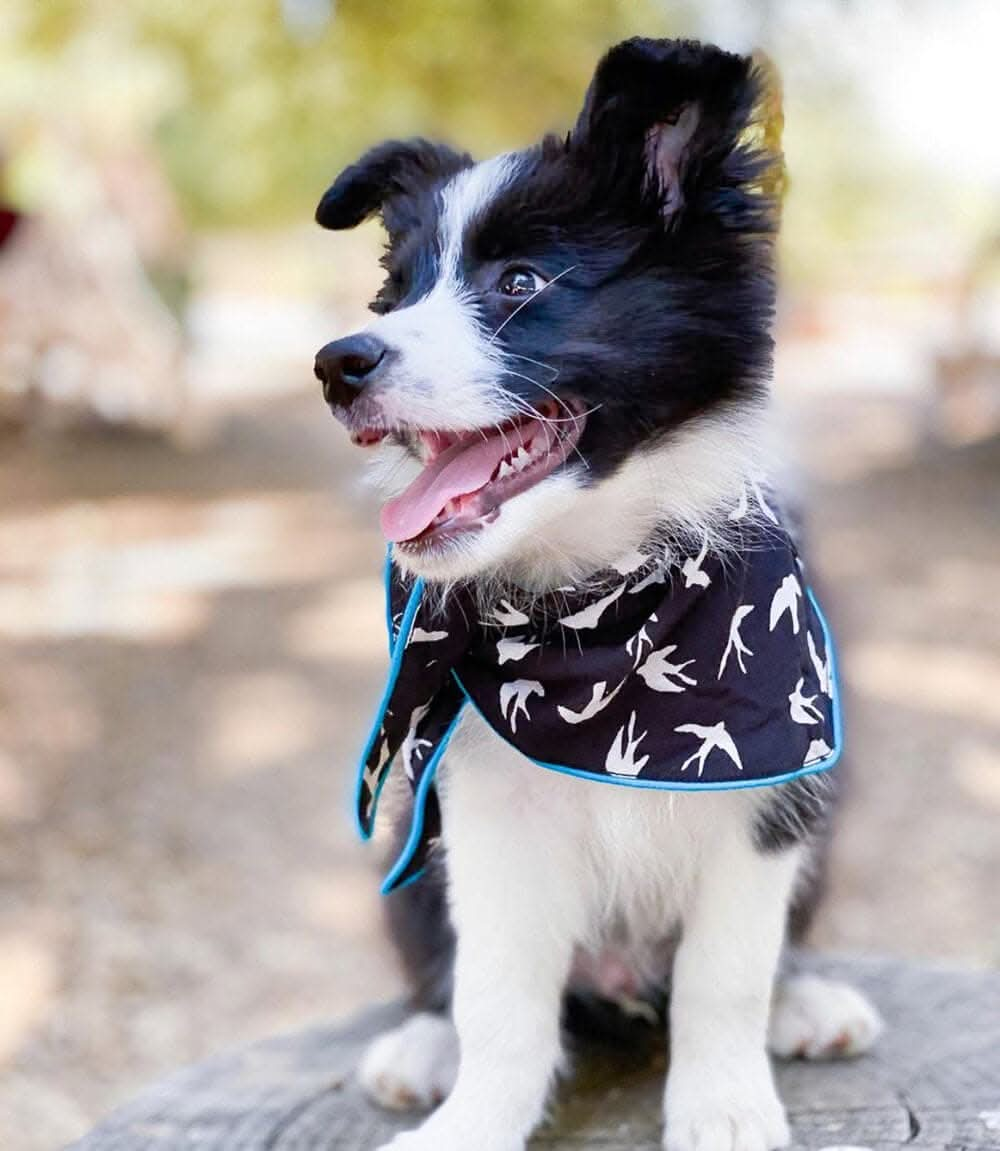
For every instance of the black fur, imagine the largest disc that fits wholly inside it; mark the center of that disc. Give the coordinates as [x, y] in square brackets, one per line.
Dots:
[795, 811]
[656, 316]
[393, 179]
[661, 311]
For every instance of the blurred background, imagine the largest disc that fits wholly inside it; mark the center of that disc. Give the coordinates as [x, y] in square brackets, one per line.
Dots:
[190, 608]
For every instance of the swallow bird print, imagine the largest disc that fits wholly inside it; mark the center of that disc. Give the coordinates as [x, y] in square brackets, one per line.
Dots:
[514, 698]
[711, 738]
[802, 708]
[418, 635]
[691, 569]
[513, 649]
[786, 598]
[638, 645]
[662, 675]
[735, 642]
[621, 758]
[600, 697]
[508, 616]
[590, 616]
[822, 667]
[414, 748]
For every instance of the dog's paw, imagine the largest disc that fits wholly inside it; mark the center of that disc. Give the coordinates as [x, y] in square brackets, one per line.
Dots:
[725, 1112]
[816, 1018]
[412, 1067]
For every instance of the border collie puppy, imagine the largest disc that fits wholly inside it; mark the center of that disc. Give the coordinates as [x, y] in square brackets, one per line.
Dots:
[591, 582]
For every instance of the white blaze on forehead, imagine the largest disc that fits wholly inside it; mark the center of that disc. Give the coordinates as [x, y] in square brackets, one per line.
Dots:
[448, 370]
[463, 201]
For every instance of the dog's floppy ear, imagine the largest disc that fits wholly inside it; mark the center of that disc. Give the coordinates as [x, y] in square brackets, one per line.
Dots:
[661, 115]
[383, 179]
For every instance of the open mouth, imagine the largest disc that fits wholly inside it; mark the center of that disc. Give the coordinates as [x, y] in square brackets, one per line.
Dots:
[469, 475]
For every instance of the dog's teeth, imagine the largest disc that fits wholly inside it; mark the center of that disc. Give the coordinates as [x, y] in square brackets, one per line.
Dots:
[521, 459]
[505, 469]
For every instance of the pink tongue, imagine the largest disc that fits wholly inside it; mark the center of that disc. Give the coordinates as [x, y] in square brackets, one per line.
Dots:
[464, 467]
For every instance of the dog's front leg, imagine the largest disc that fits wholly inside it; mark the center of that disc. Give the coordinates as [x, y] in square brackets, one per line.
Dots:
[720, 1092]
[517, 908]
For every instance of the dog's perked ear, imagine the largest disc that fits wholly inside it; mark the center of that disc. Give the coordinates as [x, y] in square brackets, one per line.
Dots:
[385, 180]
[661, 117]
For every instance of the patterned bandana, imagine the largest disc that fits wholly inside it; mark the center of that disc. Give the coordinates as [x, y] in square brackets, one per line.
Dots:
[715, 673]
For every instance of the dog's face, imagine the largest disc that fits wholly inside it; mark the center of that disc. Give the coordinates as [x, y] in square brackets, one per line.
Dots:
[563, 332]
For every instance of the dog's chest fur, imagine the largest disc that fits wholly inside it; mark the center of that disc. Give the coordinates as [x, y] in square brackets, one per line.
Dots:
[633, 855]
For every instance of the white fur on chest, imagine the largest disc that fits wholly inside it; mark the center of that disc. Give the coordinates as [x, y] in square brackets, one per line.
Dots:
[634, 854]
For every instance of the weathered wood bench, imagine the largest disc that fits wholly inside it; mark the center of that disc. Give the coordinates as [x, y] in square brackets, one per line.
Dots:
[933, 1082]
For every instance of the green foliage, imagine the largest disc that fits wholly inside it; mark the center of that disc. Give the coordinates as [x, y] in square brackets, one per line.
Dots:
[254, 117]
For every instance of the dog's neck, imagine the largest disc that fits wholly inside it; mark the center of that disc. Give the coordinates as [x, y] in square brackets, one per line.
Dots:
[678, 493]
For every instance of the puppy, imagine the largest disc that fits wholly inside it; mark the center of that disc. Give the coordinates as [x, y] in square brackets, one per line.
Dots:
[591, 581]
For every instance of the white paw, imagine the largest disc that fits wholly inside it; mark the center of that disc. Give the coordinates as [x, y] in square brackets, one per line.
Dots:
[725, 1112]
[412, 1067]
[816, 1018]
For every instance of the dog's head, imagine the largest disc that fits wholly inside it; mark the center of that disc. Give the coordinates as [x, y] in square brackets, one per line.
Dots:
[569, 339]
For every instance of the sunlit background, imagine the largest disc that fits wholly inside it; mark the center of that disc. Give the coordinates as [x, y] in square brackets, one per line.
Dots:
[189, 605]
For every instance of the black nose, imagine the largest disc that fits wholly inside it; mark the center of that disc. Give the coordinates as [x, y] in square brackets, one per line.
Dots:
[345, 366]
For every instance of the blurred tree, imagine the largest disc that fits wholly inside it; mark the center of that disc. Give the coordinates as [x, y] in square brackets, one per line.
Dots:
[256, 105]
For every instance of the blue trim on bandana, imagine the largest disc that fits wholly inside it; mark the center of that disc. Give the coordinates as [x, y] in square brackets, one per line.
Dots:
[387, 583]
[733, 785]
[395, 666]
[419, 804]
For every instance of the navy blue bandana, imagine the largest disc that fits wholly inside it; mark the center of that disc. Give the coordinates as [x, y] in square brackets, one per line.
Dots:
[715, 672]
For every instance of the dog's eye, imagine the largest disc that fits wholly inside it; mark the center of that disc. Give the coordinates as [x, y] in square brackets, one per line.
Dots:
[520, 282]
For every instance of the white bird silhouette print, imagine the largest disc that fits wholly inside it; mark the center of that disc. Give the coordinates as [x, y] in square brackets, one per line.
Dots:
[818, 749]
[514, 649]
[822, 667]
[413, 748]
[691, 569]
[786, 598]
[637, 645]
[514, 698]
[657, 575]
[735, 642]
[662, 675]
[630, 562]
[418, 635]
[621, 756]
[802, 708]
[372, 775]
[600, 697]
[590, 616]
[508, 616]
[712, 737]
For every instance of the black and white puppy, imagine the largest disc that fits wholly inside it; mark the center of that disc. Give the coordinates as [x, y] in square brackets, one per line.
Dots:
[613, 288]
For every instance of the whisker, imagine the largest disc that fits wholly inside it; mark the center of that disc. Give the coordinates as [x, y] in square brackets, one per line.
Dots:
[533, 296]
[547, 367]
[521, 405]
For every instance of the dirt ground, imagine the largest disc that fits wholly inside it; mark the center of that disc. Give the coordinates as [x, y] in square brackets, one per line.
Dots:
[191, 643]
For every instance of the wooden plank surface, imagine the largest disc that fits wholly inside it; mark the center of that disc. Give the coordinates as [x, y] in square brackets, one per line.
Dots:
[932, 1084]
